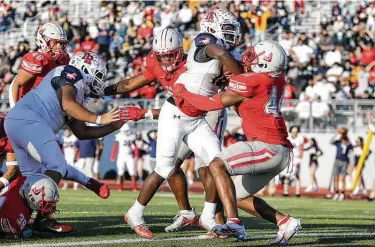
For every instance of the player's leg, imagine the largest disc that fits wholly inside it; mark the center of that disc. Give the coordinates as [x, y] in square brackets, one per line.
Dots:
[205, 144]
[120, 164]
[240, 159]
[170, 133]
[130, 166]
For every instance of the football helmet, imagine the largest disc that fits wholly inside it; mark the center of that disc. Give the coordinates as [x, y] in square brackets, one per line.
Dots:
[167, 48]
[223, 25]
[265, 57]
[41, 193]
[94, 69]
[51, 38]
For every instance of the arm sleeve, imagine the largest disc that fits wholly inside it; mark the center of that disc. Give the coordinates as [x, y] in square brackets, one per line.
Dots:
[204, 103]
[201, 42]
[150, 63]
[243, 84]
[33, 63]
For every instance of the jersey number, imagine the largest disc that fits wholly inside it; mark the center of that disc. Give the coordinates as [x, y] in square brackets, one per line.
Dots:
[87, 58]
[273, 107]
[21, 221]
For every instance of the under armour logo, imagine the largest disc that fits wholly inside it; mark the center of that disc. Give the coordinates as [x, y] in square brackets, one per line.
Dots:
[177, 116]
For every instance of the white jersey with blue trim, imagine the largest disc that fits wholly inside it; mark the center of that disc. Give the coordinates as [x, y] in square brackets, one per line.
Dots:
[202, 71]
[42, 103]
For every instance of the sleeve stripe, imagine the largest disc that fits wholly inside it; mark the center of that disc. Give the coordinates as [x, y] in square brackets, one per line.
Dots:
[31, 67]
[240, 87]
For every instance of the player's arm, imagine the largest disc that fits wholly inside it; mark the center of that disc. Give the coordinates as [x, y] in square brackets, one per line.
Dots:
[12, 171]
[69, 104]
[218, 52]
[84, 132]
[127, 85]
[237, 91]
[22, 78]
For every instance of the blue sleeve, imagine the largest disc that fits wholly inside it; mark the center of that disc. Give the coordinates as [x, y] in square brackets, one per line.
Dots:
[69, 76]
[204, 39]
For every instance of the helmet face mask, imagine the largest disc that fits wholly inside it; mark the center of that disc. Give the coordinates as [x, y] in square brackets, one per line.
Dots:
[169, 60]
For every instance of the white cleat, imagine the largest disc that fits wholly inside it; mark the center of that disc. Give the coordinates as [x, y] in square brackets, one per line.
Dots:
[288, 226]
[137, 224]
[182, 220]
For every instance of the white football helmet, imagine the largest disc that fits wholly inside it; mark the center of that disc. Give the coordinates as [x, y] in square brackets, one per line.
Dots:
[223, 25]
[91, 64]
[167, 47]
[265, 57]
[41, 193]
[125, 129]
[51, 38]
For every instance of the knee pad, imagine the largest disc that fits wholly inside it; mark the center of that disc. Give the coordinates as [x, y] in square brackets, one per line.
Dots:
[164, 167]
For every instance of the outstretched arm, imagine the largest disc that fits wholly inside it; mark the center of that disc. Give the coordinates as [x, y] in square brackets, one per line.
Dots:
[127, 85]
[84, 132]
[222, 100]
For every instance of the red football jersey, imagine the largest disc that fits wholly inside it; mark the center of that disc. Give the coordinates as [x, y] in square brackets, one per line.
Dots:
[14, 211]
[155, 71]
[260, 113]
[5, 146]
[39, 64]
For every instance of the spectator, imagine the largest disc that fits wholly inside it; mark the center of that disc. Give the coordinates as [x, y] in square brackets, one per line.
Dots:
[260, 18]
[343, 147]
[315, 153]
[333, 56]
[302, 53]
[303, 110]
[320, 113]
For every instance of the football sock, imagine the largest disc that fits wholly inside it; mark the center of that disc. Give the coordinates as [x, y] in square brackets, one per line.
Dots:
[74, 175]
[209, 210]
[137, 208]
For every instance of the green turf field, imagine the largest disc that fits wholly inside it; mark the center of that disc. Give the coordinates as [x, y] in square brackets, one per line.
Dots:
[99, 222]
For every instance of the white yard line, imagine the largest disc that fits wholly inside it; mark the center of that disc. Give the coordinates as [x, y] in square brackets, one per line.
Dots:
[199, 237]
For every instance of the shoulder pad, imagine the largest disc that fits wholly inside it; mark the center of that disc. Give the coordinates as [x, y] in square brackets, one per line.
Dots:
[69, 75]
[34, 62]
[204, 39]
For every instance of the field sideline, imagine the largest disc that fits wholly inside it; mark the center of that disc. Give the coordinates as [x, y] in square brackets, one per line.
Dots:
[99, 222]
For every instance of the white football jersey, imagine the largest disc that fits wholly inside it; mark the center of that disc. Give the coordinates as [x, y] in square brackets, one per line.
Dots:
[126, 143]
[298, 145]
[200, 75]
[69, 144]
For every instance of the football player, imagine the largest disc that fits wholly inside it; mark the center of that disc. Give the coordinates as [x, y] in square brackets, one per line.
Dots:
[257, 96]
[52, 43]
[124, 145]
[37, 192]
[165, 63]
[181, 122]
[32, 124]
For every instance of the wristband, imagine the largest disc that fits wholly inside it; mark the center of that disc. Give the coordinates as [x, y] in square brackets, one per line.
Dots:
[11, 163]
[4, 181]
[149, 115]
[98, 119]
